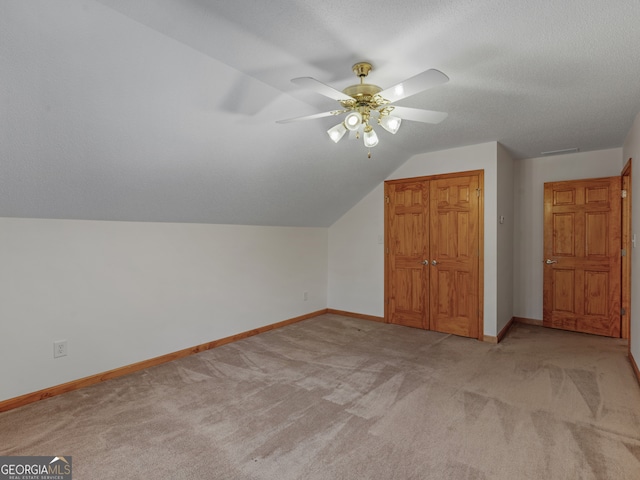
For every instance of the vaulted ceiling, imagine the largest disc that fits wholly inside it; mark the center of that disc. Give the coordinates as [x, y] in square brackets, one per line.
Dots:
[165, 110]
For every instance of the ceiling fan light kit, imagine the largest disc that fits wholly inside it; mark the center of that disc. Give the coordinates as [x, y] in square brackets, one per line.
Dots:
[370, 137]
[337, 132]
[390, 123]
[353, 121]
[362, 100]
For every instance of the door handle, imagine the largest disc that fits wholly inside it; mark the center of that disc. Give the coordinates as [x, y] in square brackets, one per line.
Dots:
[549, 261]
[425, 262]
[434, 263]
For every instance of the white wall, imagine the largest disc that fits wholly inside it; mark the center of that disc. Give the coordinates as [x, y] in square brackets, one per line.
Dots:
[356, 260]
[631, 149]
[530, 176]
[505, 239]
[356, 257]
[122, 292]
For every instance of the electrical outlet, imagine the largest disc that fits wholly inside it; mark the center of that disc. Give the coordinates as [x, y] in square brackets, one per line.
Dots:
[60, 349]
[306, 296]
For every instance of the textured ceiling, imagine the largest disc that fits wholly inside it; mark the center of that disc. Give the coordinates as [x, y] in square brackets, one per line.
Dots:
[164, 110]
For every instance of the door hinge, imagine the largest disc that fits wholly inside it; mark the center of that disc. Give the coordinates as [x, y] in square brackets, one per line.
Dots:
[623, 252]
[386, 199]
[623, 311]
[478, 192]
[624, 193]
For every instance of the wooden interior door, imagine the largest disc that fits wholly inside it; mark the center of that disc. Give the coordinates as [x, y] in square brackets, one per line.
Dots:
[582, 275]
[454, 249]
[407, 252]
[433, 219]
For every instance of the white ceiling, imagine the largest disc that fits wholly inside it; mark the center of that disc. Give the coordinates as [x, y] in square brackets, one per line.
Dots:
[164, 110]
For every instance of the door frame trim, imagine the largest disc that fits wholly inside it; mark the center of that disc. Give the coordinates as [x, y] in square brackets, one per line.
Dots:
[625, 299]
[387, 289]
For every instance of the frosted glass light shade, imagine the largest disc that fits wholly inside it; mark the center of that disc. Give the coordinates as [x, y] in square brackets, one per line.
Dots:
[370, 137]
[353, 120]
[337, 132]
[390, 123]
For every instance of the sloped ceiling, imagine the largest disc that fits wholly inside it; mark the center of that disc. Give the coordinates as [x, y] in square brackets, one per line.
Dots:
[164, 110]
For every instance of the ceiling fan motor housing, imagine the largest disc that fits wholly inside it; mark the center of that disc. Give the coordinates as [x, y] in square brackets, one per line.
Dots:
[363, 92]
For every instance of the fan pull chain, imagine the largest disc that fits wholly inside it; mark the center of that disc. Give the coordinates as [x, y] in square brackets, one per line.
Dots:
[369, 155]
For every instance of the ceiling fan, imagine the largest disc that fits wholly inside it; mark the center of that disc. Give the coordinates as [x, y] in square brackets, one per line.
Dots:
[364, 102]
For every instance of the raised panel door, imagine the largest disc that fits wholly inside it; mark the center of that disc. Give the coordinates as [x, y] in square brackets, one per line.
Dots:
[454, 249]
[407, 242]
[582, 231]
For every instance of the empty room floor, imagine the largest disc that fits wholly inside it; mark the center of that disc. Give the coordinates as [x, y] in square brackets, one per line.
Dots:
[340, 398]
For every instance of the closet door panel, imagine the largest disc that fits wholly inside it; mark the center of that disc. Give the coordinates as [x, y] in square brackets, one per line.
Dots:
[407, 243]
[454, 249]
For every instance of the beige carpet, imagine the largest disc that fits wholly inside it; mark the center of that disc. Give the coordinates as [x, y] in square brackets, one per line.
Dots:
[340, 398]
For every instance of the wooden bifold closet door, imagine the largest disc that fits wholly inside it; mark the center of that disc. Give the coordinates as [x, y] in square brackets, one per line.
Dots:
[432, 253]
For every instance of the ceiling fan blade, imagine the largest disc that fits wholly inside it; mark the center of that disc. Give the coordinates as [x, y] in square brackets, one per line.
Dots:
[418, 115]
[312, 117]
[321, 88]
[416, 84]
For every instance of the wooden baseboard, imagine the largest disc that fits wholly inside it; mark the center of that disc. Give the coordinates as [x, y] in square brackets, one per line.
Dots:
[501, 334]
[634, 365]
[356, 315]
[505, 329]
[528, 321]
[119, 372]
